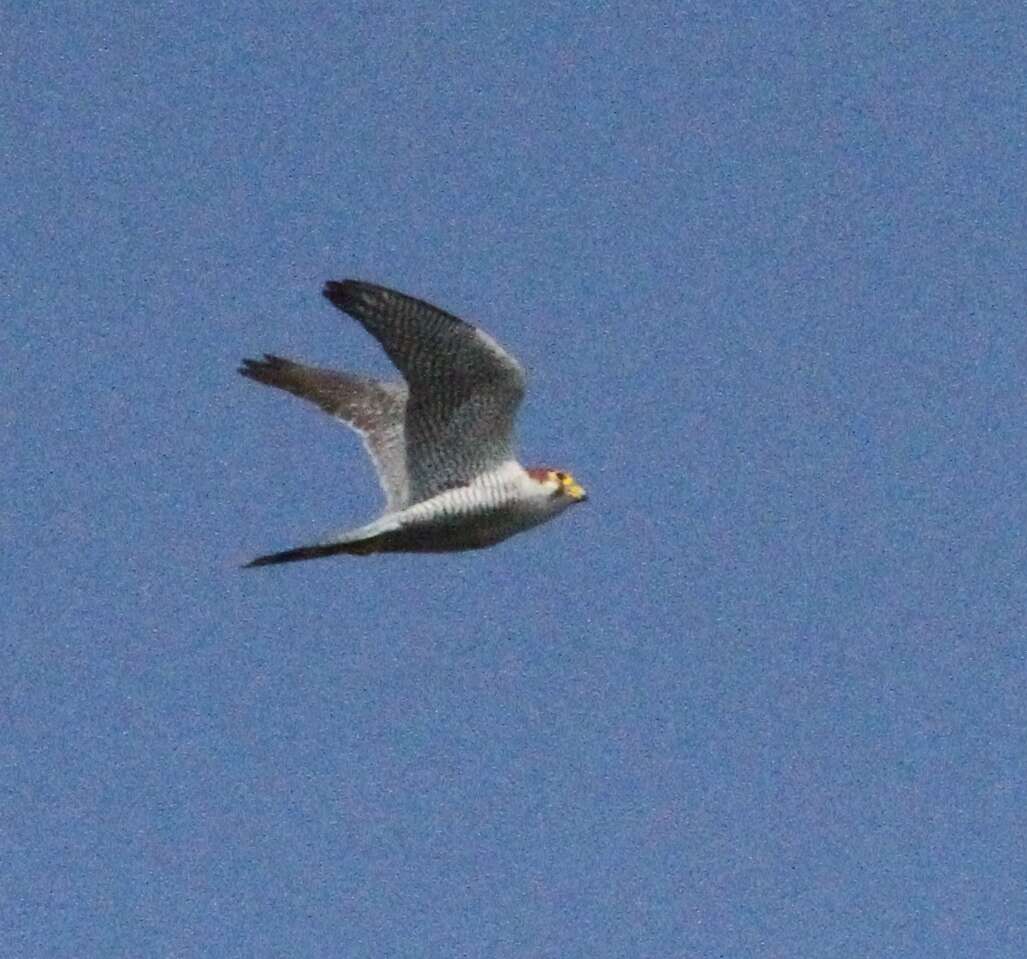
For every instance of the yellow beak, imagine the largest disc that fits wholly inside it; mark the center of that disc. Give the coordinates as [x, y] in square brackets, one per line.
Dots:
[576, 492]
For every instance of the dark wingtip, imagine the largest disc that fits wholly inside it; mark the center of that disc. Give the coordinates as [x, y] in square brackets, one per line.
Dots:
[249, 367]
[286, 556]
[268, 560]
[339, 292]
[359, 548]
[259, 369]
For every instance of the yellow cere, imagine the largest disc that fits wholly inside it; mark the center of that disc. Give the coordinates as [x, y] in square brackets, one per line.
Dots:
[571, 486]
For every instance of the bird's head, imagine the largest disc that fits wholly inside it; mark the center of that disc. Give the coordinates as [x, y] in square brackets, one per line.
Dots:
[561, 486]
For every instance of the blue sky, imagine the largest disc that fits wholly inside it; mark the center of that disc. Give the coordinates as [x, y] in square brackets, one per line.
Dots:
[763, 696]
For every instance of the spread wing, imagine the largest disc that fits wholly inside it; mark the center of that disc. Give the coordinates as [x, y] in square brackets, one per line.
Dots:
[371, 408]
[464, 388]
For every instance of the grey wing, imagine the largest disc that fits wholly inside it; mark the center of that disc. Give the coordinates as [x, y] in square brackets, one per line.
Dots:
[464, 387]
[373, 409]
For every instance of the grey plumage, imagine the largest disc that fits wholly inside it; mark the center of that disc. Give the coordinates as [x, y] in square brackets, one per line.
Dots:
[464, 387]
[442, 442]
[370, 407]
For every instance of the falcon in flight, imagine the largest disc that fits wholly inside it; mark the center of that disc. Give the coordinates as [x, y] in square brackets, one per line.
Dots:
[442, 442]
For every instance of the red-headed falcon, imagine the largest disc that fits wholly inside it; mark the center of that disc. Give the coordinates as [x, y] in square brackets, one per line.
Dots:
[442, 442]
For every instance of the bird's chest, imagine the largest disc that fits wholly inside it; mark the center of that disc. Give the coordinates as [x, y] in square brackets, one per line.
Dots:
[473, 521]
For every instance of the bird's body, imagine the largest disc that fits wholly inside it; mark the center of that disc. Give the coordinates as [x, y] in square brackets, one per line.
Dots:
[442, 442]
